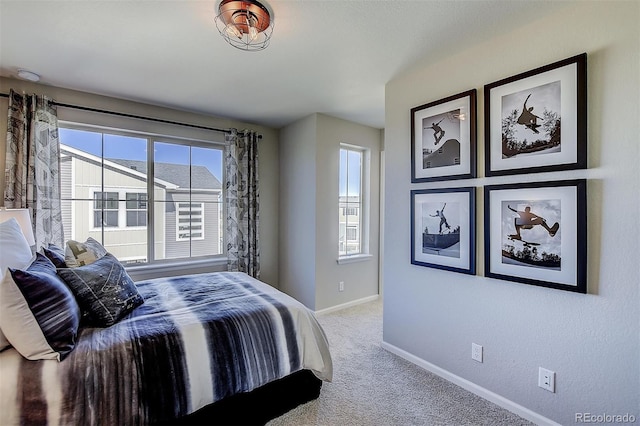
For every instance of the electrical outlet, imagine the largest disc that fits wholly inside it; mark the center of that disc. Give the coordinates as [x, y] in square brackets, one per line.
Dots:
[476, 352]
[341, 286]
[547, 379]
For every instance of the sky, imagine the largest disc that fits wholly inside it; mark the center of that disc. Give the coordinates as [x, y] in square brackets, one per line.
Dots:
[350, 172]
[132, 148]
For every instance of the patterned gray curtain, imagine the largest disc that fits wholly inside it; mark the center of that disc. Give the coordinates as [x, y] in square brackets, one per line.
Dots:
[33, 165]
[242, 200]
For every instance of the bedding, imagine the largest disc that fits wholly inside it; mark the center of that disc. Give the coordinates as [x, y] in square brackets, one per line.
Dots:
[196, 340]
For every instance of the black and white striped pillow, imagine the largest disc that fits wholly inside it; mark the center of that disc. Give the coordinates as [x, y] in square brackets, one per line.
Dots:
[38, 313]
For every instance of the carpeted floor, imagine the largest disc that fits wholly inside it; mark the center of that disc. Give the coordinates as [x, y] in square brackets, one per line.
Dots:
[372, 386]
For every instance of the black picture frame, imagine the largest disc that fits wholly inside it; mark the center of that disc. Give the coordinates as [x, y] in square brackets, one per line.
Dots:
[548, 250]
[443, 139]
[516, 142]
[452, 246]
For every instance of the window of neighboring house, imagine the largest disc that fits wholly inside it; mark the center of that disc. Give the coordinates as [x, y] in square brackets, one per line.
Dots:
[190, 221]
[105, 209]
[350, 211]
[352, 199]
[143, 208]
[352, 233]
[136, 208]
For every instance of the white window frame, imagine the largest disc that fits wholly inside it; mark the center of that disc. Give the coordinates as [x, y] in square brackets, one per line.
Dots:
[75, 119]
[122, 212]
[104, 209]
[137, 210]
[364, 207]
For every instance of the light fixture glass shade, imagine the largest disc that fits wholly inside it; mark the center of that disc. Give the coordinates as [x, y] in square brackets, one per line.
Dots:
[245, 24]
[24, 220]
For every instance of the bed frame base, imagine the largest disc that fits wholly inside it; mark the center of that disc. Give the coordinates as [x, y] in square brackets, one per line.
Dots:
[260, 405]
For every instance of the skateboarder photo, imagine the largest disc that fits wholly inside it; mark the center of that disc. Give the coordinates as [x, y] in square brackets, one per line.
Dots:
[438, 133]
[443, 219]
[527, 220]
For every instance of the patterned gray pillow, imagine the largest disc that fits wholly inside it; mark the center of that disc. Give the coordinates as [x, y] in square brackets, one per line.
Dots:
[103, 289]
[81, 254]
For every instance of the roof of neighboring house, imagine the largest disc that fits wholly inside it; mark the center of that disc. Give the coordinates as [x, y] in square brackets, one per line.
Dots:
[178, 174]
[166, 174]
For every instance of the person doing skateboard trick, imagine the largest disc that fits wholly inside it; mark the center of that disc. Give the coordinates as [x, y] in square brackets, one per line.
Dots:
[527, 220]
[443, 220]
[527, 118]
[438, 133]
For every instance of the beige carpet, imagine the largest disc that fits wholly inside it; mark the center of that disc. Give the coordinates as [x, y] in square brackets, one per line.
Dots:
[372, 386]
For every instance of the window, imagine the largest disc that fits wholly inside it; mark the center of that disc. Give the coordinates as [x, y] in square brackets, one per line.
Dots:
[143, 208]
[350, 211]
[105, 209]
[352, 233]
[136, 208]
[351, 201]
[190, 221]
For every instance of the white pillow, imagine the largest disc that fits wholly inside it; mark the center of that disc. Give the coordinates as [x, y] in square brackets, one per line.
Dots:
[14, 253]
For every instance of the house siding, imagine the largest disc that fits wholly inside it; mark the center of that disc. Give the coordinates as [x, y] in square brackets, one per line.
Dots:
[205, 247]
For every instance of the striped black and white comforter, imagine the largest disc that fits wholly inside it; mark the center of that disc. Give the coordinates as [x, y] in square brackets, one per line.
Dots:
[196, 339]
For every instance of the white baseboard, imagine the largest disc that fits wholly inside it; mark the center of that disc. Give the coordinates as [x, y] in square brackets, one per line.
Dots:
[348, 304]
[472, 387]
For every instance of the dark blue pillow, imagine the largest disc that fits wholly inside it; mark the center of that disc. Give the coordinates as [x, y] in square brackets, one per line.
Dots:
[55, 254]
[103, 289]
[51, 311]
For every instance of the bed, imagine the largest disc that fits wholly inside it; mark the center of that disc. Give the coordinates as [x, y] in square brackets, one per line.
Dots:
[219, 348]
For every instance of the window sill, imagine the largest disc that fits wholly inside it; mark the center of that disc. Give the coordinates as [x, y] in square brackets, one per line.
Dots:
[145, 272]
[354, 258]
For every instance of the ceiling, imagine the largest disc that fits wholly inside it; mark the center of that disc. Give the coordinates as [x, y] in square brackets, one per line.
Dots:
[326, 56]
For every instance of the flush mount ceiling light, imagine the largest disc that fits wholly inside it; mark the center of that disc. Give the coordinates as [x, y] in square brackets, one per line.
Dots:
[28, 75]
[245, 24]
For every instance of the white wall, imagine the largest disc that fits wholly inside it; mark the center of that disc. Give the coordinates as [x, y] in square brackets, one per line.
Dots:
[297, 248]
[591, 341]
[267, 149]
[361, 278]
[309, 164]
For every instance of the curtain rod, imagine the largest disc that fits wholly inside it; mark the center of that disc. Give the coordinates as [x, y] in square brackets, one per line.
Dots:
[139, 117]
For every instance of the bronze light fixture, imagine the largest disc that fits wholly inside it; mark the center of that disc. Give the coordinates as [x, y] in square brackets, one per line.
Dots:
[244, 24]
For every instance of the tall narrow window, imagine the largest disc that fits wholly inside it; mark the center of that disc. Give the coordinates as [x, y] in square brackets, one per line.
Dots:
[351, 201]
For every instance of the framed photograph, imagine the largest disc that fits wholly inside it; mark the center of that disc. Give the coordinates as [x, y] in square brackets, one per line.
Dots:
[443, 139]
[536, 233]
[537, 121]
[443, 229]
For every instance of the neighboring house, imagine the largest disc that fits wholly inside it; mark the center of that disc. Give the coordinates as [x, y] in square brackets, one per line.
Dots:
[186, 214]
[350, 224]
